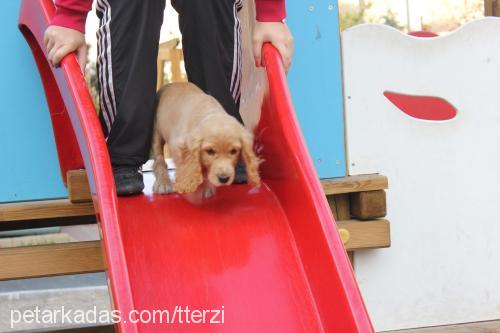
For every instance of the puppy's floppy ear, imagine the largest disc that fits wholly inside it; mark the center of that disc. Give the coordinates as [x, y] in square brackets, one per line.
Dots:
[188, 172]
[251, 160]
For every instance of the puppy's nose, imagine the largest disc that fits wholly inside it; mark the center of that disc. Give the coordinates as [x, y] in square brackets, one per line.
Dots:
[223, 179]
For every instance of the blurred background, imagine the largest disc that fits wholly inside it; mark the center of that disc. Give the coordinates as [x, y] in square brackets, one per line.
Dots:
[438, 16]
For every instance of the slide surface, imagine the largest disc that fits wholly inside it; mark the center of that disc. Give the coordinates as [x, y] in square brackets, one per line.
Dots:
[268, 259]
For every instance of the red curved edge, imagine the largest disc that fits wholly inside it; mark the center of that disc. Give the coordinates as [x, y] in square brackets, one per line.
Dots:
[289, 172]
[72, 92]
[423, 107]
[67, 148]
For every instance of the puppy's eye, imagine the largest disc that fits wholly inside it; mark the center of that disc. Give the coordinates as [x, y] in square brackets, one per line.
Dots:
[210, 151]
[233, 151]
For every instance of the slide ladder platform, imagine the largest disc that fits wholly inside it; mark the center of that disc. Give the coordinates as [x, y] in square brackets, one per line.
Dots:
[269, 259]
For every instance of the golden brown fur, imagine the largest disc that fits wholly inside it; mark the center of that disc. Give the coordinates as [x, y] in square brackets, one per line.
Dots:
[204, 141]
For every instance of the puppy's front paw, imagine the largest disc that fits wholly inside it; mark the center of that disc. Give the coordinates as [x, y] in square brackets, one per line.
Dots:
[163, 187]
[208, 192]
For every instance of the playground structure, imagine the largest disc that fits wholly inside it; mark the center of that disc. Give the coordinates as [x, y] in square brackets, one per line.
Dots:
[318, 272]
[437, 272]
[118, 219]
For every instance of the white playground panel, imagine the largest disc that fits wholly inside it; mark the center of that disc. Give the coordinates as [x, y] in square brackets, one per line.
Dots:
[444, 263]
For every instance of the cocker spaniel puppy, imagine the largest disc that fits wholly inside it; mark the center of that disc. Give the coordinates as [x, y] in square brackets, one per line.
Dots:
[204, 141]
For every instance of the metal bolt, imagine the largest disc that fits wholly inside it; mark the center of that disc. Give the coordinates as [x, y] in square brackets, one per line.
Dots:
[319, 160]
[337, 162]
[311, 8]
[330, 7]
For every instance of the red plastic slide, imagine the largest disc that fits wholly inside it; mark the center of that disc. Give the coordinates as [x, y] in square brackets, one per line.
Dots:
[266, 260]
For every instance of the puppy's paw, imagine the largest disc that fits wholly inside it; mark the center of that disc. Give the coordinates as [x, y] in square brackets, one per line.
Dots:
[200, 195]
[195, 198]
[163, 187]
[208, 192]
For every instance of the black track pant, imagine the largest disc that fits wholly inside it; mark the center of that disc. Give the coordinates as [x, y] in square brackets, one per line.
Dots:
[128, 39]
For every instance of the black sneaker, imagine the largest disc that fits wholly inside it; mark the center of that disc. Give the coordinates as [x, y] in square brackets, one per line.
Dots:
[128, 180]
[240, 176]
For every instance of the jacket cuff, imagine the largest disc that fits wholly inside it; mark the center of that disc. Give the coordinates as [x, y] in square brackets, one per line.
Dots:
[270, 10]
[70, 19]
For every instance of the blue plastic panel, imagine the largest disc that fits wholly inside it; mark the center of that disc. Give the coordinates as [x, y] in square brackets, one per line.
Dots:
[316, 82]
[29, 169]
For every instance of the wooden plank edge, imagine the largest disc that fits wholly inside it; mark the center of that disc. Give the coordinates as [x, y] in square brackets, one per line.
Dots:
[352, 184]
[49, 260]
[44, 209]
[79, 191]
[366, 234]
[78, 186]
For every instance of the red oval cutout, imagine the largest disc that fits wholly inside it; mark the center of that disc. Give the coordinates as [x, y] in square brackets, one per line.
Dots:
[423, 33]
[423, 107]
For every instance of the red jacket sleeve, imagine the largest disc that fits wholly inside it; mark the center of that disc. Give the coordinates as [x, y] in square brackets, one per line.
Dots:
[270, 10]
[72, 13]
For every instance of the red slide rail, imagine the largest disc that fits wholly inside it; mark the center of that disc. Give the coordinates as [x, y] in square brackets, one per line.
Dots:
[288, 172]
[68, 96]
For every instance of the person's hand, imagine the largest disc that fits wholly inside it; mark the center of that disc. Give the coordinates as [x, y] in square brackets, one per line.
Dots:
[279, 35]
[60, 41]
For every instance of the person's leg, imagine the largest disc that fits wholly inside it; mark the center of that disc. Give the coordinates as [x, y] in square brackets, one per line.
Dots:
[211, 45]
[128, 39]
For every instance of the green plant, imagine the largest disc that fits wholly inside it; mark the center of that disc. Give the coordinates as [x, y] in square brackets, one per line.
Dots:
[351, 15]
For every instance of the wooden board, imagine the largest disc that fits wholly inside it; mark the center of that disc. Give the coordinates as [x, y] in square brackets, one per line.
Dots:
[354, 184]
[46, 260]
[165, 48]
[491, 8]
[339, 204]
[479, 327]
[331, 186]
[78, 186]
[368, 205]
[367, 234]
[46, 209]
[444, 174]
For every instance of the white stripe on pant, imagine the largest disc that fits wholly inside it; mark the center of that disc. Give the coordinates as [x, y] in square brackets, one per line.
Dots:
[236, 74]
[105, 74]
